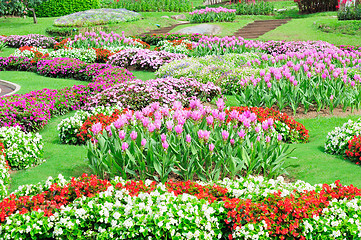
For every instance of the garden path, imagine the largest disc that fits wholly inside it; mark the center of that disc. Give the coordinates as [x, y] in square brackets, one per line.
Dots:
[259, 27]
[8, 88]
[5, 90]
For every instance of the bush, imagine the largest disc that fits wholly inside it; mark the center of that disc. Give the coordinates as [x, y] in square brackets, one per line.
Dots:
[350, 13]
[31, 40]
[154, 39]
[96, 17]
[212, 15]
[22, 150]
[254, 8]
[314, 6]
[4, 173]
[151, 5]
[62, 31]
[56, 8]
[143, 59]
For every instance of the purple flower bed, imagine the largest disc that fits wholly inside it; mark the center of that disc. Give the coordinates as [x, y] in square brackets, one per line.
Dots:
[283, 47]
[16, 64]
[31, 40]
[143, 59]
[138, 94]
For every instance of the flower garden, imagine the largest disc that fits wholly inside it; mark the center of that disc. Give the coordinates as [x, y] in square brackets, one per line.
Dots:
[177, 136]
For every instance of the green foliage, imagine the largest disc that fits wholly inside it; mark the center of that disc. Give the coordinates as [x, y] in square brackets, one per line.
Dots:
[56, 8]
[351, 27]
[15, 8]
[350, 13]
[314, 6]
[62, 31]
[150, 5]
[255, 8]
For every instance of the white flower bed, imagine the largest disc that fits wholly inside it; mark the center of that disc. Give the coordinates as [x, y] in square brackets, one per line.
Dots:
[22, 150]
[85, 55]
[337, 140]
[4, 176]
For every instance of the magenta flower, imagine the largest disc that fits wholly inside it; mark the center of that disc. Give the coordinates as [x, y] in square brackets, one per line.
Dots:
[268, 139]
[143, 142]
[122, 134]
[133, 135]
[178, 129]
[188, 138]
[163, 137]
[165, 145]
[232, 141]
[211, 147]
[225, 134]
[125, 146]
[279, 137]
[97, 128]
[241, 133]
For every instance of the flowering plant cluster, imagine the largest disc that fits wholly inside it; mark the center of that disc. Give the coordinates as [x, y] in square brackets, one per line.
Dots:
[101, 40]
[33, 40]
[219, 14]
[152, 5]
[338, 139]
[138, 94]
[69, 128]
[31, 111]
[96, 17]
[143, 59]
[350, 48]
[154, 39]
[246, 208]
[31, 52]
[201, 142]
[175, 46]
[353, 151]
[4, 173]
[22, 150]
[85, 55]
[291, 130]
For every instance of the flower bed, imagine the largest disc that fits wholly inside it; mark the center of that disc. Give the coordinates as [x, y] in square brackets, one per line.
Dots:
[143, 59]
[219, 14]
[4, 173]
[175, 46]
[154, 39]
[337, 140]
[22, 150]
[152, 5]
[33, 40]
[229, 209]
[96, 17]
[197, 142]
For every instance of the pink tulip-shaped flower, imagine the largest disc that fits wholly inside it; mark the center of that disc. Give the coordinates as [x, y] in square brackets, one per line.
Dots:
[125, 146]
[143, 142]
[122, 134]
[211, 147]
[225, 134]
[165, 145]
[133, 135]
[188, 138]
[97, 128]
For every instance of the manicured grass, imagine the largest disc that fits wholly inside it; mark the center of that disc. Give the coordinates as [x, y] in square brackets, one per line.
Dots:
[31, 81]
[314, 165]
[21, 26]
[143, 75]
[68, 160]
[228, 28]
[350, 27]
[6, 52]
[304, 29]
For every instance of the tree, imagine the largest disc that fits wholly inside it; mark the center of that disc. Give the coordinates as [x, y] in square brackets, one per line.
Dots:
[19, 7]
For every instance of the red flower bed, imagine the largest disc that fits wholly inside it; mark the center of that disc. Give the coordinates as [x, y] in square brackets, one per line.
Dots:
[174, 43]
[102, 55]
[354, 149]
[284, 214]
[54, 197]
[265, 113]
[37, 55]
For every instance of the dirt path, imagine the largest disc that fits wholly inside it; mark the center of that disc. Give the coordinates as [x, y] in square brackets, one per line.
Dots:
[259, 27]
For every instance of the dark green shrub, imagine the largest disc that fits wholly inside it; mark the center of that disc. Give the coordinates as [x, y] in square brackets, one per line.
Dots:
[247, 7]
[350, 13]
[150, 5]
[56, 8]
[62, 31]
[314, 6]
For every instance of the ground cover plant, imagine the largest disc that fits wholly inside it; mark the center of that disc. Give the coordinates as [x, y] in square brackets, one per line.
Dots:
[343, 27]
[229, 209]
[350, 12]
[96, 17]
[151, 5]
[212, 15]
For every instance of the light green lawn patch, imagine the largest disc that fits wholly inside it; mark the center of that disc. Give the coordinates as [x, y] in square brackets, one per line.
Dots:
[30, 81]
[68, 160]
[6, 52]
[21, 26]
[143, 75]
[304, 29]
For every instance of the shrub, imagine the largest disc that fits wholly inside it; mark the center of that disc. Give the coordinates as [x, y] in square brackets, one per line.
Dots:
[202, 144]
[138, 94]
[17, 64]
[151, 5]
[61, 31]
[212, 15]
[143, 59]
[254, 8]
[314, 6]
[338, 140]
[96, 17]
[56, 8]
[22, 150]
[60, 67]
[350, 13]
[154, 39]
[4, 173]
[31, 40]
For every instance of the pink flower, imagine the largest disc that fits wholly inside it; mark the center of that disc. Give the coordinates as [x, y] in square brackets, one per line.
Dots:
[232, 141]
[143, 142]
[188, 138]
[331, 98]
[211, 147]
[163, 137]
[225, 134]
[242, 133]
[268, 139]
[122, 134]
[279, 137]
[178, 129]
[125, 146]
[209, 120]
[220, 104]
[165, 145]
[97, 128]
[133, 135]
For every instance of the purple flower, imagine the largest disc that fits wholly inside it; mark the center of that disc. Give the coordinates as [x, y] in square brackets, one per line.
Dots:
[232, 141]
[279, 137]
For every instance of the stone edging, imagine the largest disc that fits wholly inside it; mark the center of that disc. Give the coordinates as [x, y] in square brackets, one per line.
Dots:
[15, 87]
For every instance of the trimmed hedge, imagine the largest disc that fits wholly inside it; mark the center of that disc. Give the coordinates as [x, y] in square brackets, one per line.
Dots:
[56, 8]
[314, 6]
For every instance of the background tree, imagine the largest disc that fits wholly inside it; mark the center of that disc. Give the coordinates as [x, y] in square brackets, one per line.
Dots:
[19, 7]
